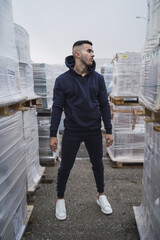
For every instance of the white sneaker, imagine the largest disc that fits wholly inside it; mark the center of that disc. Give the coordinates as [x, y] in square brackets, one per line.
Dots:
[60, 209]
[104, 204]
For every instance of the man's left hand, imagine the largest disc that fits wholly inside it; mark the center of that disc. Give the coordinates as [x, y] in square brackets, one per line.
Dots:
[109, 140]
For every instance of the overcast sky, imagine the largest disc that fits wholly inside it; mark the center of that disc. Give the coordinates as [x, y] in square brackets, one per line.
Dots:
[54, 25]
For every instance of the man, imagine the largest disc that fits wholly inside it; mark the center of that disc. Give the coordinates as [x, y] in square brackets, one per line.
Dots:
[82, 93]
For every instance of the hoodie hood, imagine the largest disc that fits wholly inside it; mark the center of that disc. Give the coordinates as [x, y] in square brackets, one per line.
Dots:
[70, 62]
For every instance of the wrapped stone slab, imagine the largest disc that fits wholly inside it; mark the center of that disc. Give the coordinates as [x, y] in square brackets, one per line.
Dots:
[150, 80]
[43, 75]
[9, 69]
[107, 72]
[25, 67]
[46, 155]
[126, 75]
[12, 177]
[34, 170]
[128, 134]
[147, 215]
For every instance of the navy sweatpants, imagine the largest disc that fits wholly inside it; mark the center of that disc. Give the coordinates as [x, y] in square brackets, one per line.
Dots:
[70, 146]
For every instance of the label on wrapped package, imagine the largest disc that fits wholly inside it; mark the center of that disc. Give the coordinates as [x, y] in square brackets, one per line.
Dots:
[124, 56]
[139, 129]
[18, 223]
[28, 76]
[11, 81]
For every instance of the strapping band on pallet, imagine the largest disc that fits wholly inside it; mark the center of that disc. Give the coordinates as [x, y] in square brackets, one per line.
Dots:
[134, 111]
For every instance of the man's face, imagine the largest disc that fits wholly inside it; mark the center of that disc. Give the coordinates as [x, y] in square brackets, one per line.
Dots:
[86, 54]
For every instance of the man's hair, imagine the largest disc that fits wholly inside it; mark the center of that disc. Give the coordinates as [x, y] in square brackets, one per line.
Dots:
[81, 42]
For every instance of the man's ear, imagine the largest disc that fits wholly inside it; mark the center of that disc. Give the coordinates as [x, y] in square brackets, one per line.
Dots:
[77, 54]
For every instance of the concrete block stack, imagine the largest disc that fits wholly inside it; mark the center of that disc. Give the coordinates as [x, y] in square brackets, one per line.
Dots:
[147, 214]
[107, 72]
[9, 68]
[19, 156]
[25, 67]
[128, 126]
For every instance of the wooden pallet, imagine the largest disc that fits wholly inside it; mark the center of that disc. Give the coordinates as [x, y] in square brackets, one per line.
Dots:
[33, 102]
[151, 115]
[7, 110]
[29, 218]
[20, 106]
[36, 185]
[132, 101]
[117, 164]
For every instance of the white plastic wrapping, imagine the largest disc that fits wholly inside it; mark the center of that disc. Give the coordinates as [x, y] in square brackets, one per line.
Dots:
[46, 155]
[43, 75]
[154, 19]
[25, 67]
[34, 170]
[12, 177]
[148, 213]
[126, 75]
[9, 71]
[128, 134]
[107, 72]
[150, 79]
[22, 44]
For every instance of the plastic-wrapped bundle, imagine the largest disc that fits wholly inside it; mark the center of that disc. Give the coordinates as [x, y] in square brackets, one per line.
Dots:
[126, 75]
[148, 213]
[128, 134]
[150, 80]
[107, 72]
[43, 83]
[12, 177]
[34, 170]
[9, 71]
[25, 67]
[46, 155]
[154, 18]
[22, 44]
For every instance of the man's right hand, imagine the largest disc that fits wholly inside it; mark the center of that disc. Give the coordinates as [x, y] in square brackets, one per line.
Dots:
[53, 143]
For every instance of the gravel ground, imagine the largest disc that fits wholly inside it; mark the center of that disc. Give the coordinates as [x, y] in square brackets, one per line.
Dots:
[85, 221]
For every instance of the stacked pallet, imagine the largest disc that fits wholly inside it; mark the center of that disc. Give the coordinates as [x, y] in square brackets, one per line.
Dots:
[25, 67]
[19, 156]
[9, 68]
[44, 78]
[148, 213]
[107, 72]
[128, 126]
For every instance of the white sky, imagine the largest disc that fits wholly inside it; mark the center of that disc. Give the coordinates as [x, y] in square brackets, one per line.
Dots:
[54, 25]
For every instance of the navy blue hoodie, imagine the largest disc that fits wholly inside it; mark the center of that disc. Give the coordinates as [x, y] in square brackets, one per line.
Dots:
[83, 99]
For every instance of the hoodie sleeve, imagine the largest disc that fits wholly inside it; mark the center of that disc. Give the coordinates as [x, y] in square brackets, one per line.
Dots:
[57, 108]
[105, 107]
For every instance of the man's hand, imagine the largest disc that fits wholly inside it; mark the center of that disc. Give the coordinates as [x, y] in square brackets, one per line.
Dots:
[109, 140]
[53, 143]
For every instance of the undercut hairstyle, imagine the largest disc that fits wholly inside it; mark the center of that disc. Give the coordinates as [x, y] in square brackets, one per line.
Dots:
[81, 42]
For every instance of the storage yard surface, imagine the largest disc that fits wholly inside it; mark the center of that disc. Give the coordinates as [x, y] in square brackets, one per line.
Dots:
[84, 217]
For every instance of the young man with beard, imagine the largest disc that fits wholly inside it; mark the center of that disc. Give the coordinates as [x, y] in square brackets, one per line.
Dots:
[82, 94]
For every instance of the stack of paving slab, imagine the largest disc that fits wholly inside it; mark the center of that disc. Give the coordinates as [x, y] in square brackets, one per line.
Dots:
[9, 67]
[107, 72]
[43, 83]
[25, 67]
[44, 80]
[13, 204]
[126, 74]
[128, 134]
[18, 130]
[147, 215]
[128, 126]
